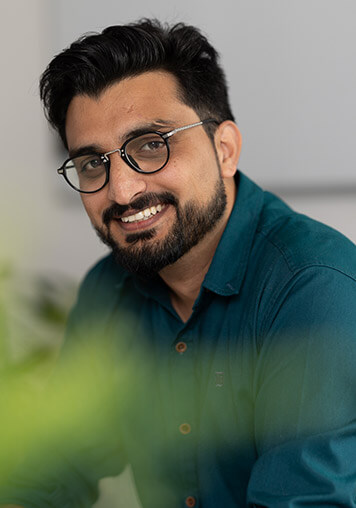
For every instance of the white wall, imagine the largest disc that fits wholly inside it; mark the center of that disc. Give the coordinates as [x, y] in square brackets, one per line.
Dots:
[41, 230]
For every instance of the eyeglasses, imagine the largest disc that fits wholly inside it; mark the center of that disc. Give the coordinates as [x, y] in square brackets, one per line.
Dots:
[146, 153]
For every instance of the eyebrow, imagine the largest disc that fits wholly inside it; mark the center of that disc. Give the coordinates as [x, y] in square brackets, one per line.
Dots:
[155, 126]
[137, 131]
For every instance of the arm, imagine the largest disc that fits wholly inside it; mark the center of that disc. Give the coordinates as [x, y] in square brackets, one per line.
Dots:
[305, 395]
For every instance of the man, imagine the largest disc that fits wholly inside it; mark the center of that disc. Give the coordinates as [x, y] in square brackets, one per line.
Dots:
[244, 310]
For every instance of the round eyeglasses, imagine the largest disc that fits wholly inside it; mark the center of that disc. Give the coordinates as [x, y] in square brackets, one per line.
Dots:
[146, 153]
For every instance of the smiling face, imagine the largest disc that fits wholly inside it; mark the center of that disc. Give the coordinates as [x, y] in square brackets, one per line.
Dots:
[150, 220]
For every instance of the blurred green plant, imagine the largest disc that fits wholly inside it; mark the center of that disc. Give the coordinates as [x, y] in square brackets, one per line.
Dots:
[45, 410]
[33, 313]
[42, 414]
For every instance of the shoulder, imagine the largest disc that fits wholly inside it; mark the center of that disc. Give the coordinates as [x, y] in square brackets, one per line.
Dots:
[99, 290]
[300, 270]
[297, 242]
[104, 276]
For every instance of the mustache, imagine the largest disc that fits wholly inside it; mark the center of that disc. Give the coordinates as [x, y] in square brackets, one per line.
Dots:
[145, 201]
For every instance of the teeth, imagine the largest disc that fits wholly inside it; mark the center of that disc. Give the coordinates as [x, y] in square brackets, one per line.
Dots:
[143, 215]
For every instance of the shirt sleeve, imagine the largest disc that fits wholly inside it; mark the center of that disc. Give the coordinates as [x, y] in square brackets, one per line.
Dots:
[305, 395]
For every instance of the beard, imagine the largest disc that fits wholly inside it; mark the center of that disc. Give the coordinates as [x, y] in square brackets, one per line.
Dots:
[145, 257]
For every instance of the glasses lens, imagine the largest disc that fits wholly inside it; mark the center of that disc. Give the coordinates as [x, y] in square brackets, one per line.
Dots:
[148, 152]
[86, 173]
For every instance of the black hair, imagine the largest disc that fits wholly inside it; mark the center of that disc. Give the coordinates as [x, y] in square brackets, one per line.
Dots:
[96, 61]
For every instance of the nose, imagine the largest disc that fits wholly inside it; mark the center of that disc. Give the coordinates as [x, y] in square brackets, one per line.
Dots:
[125, 184]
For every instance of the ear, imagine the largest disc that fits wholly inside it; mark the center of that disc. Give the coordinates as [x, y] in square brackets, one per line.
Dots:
[228, 143]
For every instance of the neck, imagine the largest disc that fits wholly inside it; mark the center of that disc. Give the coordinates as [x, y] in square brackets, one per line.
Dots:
[185, 277]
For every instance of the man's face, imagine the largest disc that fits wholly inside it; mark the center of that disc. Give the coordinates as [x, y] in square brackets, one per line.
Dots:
[185, 199]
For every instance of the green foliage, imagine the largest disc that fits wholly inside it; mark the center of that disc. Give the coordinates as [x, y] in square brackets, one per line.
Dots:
[50, 413]
[33, 313]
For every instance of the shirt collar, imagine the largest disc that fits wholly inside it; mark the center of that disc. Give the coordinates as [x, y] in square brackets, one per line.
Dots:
[228, 267]
[229, 264]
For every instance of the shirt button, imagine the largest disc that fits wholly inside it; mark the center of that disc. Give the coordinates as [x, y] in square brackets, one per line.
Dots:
[181, 347]
[185, 428]
[190, 501]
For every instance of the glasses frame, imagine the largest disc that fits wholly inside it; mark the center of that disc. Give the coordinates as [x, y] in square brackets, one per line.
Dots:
[122, 152]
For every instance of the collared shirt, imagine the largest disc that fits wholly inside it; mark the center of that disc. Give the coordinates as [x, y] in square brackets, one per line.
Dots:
[252, 401]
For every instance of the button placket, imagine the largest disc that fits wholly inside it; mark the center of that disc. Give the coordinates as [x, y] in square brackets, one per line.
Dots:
[184, 386]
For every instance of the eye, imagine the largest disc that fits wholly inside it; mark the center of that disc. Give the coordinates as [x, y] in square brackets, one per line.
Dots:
[145, 146]
[91, 163]
[156, 144]
[88, 166]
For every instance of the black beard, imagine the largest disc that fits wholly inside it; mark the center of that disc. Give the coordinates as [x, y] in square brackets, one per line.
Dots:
[146, 258]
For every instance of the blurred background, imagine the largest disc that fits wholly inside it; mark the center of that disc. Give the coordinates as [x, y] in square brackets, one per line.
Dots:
[291, 71]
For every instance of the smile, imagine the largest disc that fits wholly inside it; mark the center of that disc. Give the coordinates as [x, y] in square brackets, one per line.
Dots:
[145, 214]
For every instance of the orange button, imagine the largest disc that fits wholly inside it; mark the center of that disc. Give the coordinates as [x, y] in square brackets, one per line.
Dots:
[185, 428]
[181, 347]
[190, 501]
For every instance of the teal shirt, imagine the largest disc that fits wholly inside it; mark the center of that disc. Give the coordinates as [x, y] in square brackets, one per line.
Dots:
[252, 401]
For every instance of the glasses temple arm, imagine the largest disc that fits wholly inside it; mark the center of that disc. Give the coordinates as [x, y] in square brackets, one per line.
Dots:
[178, 129]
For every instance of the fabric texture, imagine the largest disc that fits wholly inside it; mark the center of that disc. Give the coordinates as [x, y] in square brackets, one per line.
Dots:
[252, 401]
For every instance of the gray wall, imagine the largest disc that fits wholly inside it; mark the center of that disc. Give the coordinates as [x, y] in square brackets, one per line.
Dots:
[291, 69]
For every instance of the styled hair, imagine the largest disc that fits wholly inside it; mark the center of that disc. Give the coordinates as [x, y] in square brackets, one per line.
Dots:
[96, 61]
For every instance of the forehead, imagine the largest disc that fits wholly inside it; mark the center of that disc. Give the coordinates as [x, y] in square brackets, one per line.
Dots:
[124, 105]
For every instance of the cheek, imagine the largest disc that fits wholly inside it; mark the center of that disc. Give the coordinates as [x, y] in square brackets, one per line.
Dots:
[94, 206]
[198, 175]
[191, 177]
